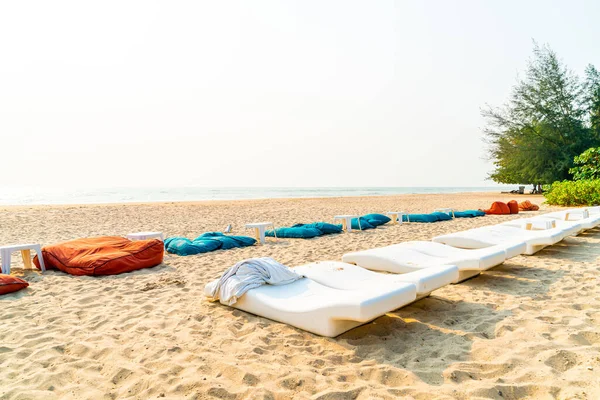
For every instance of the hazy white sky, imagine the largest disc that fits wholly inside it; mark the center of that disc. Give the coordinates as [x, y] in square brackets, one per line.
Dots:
[266, 93]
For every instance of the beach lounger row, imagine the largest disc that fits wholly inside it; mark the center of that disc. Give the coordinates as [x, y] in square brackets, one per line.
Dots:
[536, 232]
[334, 297]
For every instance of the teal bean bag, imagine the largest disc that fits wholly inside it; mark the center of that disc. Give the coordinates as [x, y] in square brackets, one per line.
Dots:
[324, 227]
[227, 242]
[442, 216]
[305, 231]
[478, 213]
[183, 246]
[295, 232]
[376, 219]
[469, 214]
[420, 218]
[364, 224]
[206, 242]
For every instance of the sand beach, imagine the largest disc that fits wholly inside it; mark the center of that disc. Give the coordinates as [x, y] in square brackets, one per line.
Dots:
[529, 328]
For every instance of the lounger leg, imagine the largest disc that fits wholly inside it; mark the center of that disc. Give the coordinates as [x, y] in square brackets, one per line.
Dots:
[26, 255]
[38, 251]
[5, 261]
[422, 296]
[464, 275]
[274, 232]
[261, 231]
[257, 234]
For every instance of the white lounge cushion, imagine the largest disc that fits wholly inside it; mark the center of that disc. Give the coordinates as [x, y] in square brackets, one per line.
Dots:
[397, 260]
[325, 310]
[481, 259]
[569, 228]
[340, 275]
[502, 234]
[578, 216]
[412, 256]
[593, 210]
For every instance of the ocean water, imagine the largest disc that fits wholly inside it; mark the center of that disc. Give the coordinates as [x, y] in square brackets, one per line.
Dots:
[30, 196]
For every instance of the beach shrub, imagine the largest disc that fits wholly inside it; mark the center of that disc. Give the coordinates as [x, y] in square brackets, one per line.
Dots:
[587, 165]
[574, 193]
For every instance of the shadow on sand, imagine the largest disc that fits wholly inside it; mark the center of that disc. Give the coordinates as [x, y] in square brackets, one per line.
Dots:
[424, 338]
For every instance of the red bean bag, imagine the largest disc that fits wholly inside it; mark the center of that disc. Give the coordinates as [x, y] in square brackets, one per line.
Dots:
[498, 208]
[528, 206]
[9, 284]
[106, 255]
[513, 206]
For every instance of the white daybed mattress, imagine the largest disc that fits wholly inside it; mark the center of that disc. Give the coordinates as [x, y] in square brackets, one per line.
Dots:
[411, 256]
[487, 236]
[340, 297]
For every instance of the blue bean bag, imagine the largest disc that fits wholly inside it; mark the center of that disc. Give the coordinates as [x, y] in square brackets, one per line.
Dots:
[442, 216]
[364, 224]
[227, 242]
[183, 246]
[295, 232]
[420, 218]
[376, 219]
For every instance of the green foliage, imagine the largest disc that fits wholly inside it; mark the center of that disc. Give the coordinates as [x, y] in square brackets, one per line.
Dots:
[574, 193]
[587, 165]
[544, 125]
[591, 88]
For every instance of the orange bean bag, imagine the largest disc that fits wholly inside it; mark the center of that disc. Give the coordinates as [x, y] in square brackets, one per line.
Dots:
[528, 206]
[513, 206]
[498, 208]
[9, 284]
[106, 255]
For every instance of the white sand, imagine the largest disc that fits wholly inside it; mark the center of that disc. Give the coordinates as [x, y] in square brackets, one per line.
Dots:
[528, 328]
